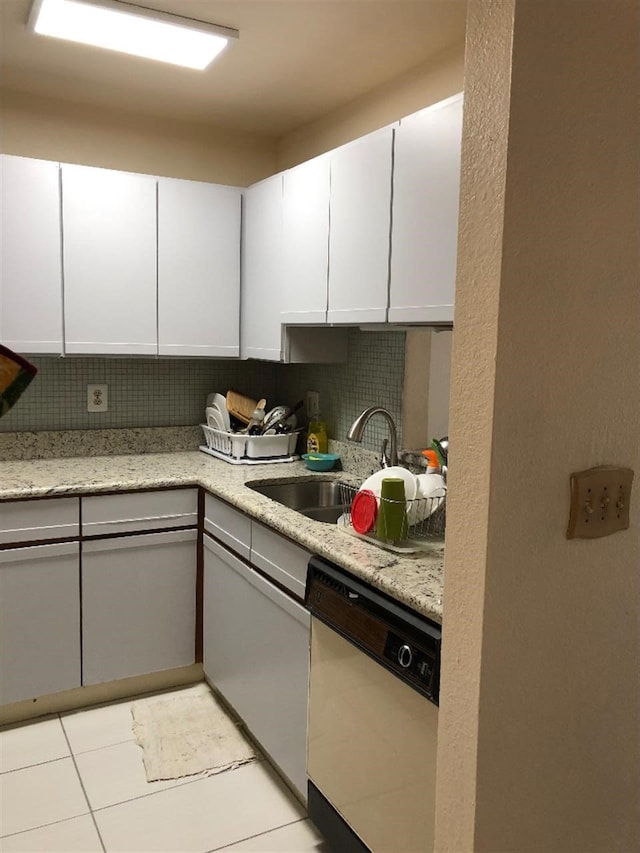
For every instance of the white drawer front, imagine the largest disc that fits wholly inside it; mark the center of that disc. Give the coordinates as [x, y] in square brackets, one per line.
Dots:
[27, 521]
[103, 515]
[227, 524]
[279, 558]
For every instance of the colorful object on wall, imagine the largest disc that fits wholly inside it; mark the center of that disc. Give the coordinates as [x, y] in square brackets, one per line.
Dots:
[15, 375]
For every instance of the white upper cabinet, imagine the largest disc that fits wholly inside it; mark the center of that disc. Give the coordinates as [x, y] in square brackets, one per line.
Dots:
[198, 269]
[360, 230]
[426, 189]
[109, 230]
[305, 245]
[260, 324]
[30, 256]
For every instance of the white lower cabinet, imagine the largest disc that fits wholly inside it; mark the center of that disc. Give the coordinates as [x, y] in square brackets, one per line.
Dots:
[256, 653]
[138, 605]
[39, 621]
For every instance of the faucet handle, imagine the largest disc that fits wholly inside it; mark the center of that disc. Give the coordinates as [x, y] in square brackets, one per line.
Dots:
[385, 461]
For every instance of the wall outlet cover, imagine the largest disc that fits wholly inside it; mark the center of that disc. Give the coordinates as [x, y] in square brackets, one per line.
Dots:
[313, 405]
[97, 398]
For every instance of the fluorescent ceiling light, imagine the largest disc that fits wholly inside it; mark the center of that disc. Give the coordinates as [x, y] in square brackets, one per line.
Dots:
[131, 29]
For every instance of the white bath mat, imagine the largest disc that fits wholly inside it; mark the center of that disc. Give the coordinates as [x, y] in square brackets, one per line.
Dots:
[187, 732]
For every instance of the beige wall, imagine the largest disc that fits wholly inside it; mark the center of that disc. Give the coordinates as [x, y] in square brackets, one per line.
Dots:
[540, 725]
[32, 126]
[58, 130]
[426, 386]
[429, 83]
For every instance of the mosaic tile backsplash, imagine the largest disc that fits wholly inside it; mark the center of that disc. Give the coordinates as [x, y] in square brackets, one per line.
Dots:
[373, 375]
[142, 392]
[172, 392]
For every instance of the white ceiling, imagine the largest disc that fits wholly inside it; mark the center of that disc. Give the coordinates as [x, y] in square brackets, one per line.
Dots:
[295, 60]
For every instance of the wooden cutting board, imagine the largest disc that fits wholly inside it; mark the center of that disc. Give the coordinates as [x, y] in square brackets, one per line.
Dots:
[240, 407]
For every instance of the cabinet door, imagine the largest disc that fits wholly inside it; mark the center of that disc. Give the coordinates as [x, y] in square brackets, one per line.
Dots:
[426, 189]
[198, 269]
[305, 242]
[138, 605]
[109, 229]
[39, 621]
[256, 653]
[360, 230]
[260, 329]
[30, 256]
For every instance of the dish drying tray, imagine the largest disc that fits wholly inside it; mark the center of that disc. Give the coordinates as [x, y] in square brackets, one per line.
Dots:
[242, 449]
[426, 519]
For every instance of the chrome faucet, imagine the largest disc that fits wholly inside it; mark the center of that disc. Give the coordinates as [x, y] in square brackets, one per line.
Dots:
[357, 428]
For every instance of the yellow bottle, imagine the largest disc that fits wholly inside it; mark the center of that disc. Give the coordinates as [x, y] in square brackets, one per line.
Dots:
[317, 441]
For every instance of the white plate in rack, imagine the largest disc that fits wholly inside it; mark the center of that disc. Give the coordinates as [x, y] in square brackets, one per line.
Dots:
[214, 418]
[374, 482]
[221, 402]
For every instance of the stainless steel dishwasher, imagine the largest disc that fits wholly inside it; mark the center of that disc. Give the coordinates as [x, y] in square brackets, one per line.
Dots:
[373, 716]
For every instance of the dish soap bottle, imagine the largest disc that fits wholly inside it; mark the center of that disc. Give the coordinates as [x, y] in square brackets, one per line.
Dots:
[317, 441]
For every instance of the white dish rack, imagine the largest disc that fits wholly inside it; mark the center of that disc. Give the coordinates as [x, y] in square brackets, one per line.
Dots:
[243, 449]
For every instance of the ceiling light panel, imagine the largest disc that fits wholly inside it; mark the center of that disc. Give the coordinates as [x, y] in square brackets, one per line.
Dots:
[131, 29]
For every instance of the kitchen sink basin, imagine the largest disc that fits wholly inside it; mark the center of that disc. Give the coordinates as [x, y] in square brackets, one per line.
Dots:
[317, 499]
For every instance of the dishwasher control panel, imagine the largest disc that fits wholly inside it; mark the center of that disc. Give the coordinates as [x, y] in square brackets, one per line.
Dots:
[399, 639]
[414, 662]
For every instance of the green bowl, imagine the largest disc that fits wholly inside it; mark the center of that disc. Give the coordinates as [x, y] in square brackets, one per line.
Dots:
[320, 461]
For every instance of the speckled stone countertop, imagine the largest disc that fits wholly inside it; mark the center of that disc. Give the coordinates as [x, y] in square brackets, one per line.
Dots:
[414, 580]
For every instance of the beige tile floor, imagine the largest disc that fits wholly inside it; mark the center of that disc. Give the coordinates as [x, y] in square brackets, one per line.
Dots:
[75, 783]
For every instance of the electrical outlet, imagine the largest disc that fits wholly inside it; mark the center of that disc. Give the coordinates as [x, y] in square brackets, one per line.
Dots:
[313, 405]
[97, 398]
[599, 502]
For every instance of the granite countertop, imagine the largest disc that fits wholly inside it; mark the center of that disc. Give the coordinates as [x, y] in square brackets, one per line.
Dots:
[414, 580]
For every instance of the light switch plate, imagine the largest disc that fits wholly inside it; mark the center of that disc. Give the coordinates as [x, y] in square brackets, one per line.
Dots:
[97, 398]
[599, 502]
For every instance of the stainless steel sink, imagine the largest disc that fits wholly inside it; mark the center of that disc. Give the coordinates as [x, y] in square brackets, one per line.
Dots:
[317, 499]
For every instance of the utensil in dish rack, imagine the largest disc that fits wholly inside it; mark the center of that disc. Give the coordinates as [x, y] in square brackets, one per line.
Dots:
[281, 415]
[240, 407]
